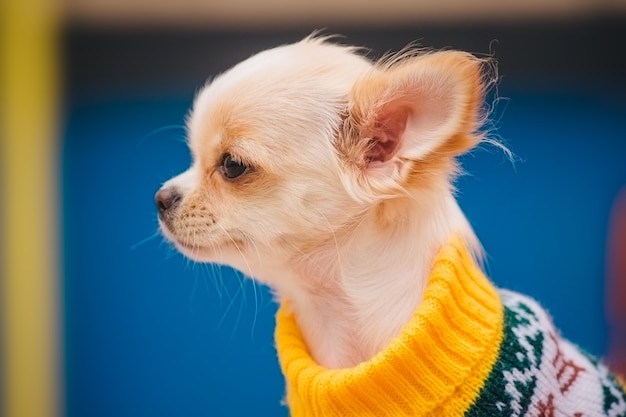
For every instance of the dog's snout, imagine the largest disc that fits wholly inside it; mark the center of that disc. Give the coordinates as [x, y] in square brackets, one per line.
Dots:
[166, 199]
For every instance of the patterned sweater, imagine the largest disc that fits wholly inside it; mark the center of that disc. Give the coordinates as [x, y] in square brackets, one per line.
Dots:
[469, 350]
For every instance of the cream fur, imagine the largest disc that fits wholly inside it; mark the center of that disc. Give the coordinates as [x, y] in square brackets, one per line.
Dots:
[348, 195]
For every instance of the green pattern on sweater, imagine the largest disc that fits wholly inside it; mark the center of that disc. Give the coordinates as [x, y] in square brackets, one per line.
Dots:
[515, 356]
[539, 374]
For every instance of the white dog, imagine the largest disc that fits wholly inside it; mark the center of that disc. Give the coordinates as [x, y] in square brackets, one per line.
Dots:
[329, 178]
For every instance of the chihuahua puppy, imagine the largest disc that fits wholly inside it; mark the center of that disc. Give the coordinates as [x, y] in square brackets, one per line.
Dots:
[329, 178]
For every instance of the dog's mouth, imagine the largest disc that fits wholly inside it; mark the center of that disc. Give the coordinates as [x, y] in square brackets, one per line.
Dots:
[205, 252]
[184, 246]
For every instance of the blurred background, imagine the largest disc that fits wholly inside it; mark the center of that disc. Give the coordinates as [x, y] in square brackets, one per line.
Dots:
[100, 317]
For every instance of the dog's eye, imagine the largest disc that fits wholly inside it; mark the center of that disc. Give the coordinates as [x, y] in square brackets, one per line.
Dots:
[232, 168]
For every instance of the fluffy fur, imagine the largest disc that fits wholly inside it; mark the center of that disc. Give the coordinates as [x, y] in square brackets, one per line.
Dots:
[346, 192]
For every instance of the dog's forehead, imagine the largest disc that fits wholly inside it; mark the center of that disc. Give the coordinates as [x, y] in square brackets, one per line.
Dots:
[281, 92]
[303, 73]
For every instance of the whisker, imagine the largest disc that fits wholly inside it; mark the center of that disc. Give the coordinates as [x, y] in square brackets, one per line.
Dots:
[241, 306]
[245, 260]
[218, 279]
[231, 303]
[159, 130]
[332, 231]
[249, 268]
[209, 274]
[254, 286]
[283, 239]
[214, 272]
[256, 308]
[145, 240]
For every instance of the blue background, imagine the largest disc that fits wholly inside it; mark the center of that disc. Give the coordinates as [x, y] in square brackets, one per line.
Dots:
[149, 333]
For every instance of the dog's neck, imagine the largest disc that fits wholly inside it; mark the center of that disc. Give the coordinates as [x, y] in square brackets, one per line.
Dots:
[354, 294]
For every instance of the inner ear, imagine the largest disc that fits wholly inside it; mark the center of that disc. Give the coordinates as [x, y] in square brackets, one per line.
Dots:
[388, 127]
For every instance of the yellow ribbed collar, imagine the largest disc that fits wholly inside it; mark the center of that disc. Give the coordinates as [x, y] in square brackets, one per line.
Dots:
[436, 366]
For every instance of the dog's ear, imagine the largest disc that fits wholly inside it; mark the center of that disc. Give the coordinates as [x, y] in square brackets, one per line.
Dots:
[418, 109]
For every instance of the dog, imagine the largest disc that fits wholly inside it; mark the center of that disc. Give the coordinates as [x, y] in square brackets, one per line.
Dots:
[329, 178]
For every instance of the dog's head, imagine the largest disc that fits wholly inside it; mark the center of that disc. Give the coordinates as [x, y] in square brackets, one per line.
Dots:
[294, 146]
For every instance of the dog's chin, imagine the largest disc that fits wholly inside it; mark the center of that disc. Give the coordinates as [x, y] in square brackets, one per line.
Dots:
[227, 254]
[197, 253]
[224, 253]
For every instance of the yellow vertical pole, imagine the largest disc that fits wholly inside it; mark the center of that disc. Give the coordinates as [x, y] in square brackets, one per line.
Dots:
[28, 209]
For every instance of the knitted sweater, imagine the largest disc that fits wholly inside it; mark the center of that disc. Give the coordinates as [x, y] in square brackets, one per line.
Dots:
[469, 350]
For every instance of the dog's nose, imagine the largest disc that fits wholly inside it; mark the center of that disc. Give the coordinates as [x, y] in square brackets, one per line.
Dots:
[166, 199]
